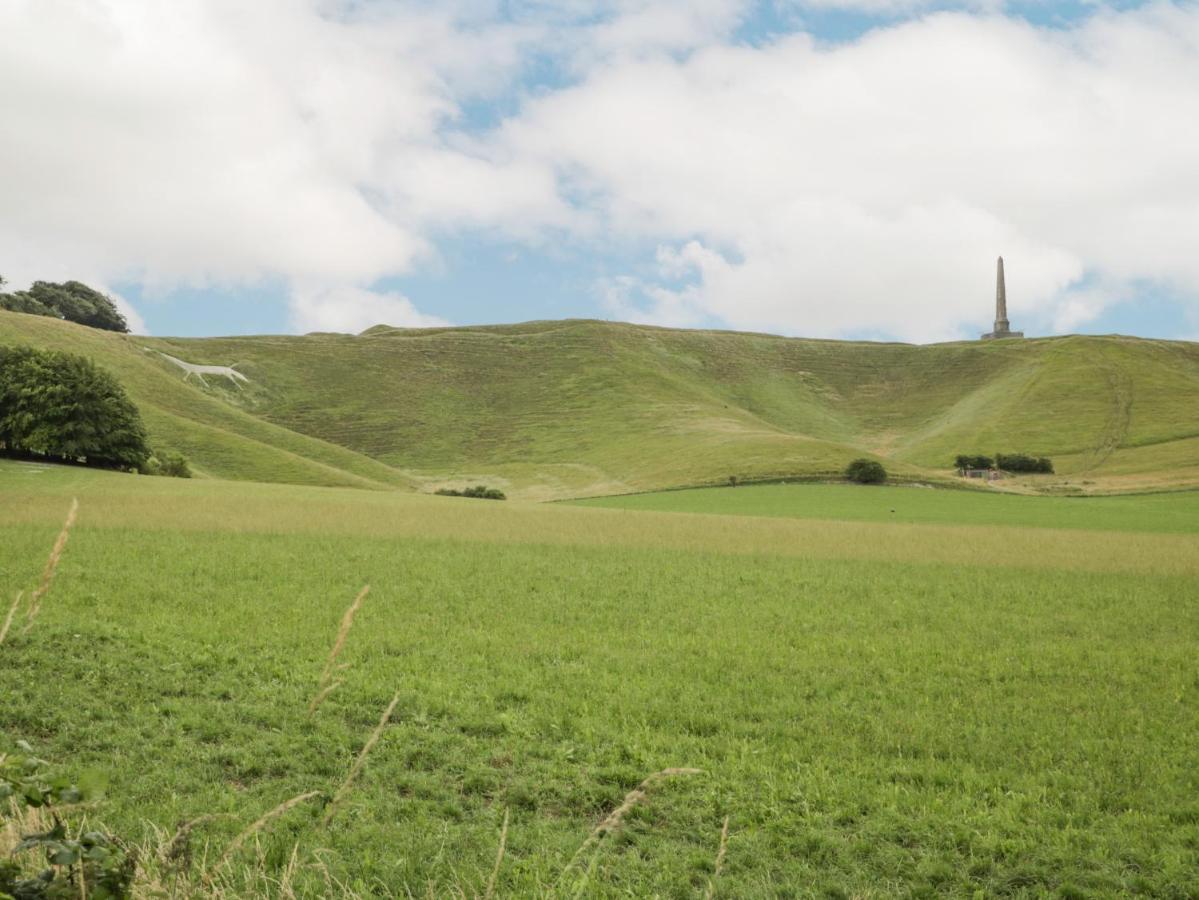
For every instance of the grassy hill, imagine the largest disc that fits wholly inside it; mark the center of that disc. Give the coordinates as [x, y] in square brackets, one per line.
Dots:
[575, 408]
[220, 438]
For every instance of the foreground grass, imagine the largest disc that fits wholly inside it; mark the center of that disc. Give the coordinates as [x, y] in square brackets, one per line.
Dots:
[1173, 512]
[869, 727]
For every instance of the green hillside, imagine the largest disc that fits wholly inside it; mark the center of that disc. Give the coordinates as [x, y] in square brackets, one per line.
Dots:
[221, 439]
[573, 408]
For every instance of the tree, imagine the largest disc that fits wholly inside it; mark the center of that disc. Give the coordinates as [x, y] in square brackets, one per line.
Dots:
[61, 406]
[866, 471]
[71, 300]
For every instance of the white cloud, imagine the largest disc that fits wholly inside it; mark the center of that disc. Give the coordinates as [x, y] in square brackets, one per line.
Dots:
[823, 190]
[789, 186]
[216, 141]
[351, 309]
[897, 7]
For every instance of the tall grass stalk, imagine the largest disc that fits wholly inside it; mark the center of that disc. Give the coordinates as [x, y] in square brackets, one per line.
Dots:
[614, 818]
[254, 827]
[12, 611]
[499, 858]
[35, 599]
[361, 760]
[716, 869]
[327, 685]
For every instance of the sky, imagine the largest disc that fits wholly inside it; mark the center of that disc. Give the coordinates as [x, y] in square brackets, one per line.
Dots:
[819, 168]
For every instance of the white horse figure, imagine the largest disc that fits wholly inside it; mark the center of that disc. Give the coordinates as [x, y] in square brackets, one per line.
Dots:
[200, 371]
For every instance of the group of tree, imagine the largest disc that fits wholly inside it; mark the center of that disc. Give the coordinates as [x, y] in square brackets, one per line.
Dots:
[1019, 462]
[71, 300]
[479, 491]
[1007, 462]
[62, 407]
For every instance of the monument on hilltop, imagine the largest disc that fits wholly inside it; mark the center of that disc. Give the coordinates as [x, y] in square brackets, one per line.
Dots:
[1002, 325]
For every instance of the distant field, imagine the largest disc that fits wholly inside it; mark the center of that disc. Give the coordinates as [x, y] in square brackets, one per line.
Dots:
[948, 708]
[1174, 512]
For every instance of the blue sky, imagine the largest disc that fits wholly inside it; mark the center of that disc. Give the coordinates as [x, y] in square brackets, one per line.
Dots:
[832, 168]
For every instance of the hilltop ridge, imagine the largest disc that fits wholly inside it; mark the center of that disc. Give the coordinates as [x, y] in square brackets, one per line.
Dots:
[582, 407]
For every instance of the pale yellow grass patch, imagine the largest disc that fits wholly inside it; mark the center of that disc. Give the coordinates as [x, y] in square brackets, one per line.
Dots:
[233, 507]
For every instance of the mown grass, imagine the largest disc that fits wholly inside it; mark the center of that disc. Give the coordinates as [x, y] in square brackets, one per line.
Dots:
[870, 724]
[1172, 512]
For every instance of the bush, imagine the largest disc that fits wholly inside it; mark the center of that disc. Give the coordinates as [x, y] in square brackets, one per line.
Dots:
[90, 864]
[1019, 462]
[479, 491]
[973, 462]
[866, 471]
[71, 300]
[61, 406]
[169, 463]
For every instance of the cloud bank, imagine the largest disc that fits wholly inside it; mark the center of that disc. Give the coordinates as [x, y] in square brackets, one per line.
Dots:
[862, 187]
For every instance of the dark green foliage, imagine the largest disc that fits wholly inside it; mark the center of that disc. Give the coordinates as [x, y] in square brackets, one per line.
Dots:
[866, 471]
[1019, 462]
[61, 406]
[92, 858]
[479, 491]
[170, 463]
[973, 462]
[71, 300]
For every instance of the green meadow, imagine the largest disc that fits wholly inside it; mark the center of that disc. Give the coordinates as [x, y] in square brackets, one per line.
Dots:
[1168, 512]
[940, 701]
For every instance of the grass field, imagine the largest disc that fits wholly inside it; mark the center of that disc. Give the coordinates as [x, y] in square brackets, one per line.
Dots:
[1173, 512]
[953, 706]
[552, 410]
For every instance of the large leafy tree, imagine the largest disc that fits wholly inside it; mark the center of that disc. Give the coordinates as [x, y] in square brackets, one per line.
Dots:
[71, 300]
[61, 406]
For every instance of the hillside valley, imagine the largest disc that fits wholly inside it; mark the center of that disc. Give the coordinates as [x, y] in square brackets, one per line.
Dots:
[549, 410]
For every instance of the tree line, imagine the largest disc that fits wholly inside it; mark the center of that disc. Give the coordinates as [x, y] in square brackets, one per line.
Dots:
[1007, 462]
[71, 300]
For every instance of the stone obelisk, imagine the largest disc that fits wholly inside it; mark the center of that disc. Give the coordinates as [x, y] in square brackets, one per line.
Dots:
[1002, 325]
[1003, 328]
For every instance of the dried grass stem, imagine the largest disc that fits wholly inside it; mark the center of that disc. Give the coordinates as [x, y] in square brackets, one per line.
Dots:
[361, 760]
[326, 685]
[35, 599]
[254, 827]
[499, 858]
[614, 818]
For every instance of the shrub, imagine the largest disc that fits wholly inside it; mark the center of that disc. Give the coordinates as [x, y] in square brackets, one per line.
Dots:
[866, 471]
[169, 463]
[1019, 462]
[174, 464]
[479, 491]
[91, 864]
[973, 462]
[61, 406]
[71, 300]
